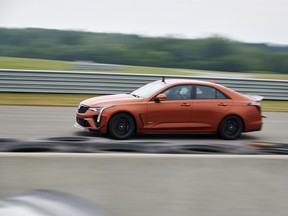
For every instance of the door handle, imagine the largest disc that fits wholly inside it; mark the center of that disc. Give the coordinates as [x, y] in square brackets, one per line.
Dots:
[222, 104]
[185, 105]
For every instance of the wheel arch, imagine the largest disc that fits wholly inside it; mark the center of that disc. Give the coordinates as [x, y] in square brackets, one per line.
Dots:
[232, 114]
[124, 112]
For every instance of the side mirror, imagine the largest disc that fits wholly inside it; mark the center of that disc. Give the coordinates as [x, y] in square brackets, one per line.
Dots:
[161, 97]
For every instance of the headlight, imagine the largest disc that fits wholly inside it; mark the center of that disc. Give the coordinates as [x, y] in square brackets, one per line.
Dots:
[96, 109]
[99, 109]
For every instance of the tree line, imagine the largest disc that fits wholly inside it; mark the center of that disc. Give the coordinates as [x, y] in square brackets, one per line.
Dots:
[213, 53]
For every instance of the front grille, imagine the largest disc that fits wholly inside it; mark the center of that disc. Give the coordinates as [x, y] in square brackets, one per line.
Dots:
[82, 122]
[83, 109]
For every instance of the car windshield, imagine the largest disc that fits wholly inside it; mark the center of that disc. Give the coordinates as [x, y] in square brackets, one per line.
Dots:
[149, 89]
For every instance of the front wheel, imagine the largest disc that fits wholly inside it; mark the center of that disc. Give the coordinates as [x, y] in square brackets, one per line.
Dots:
[121, 126]
[230, 127]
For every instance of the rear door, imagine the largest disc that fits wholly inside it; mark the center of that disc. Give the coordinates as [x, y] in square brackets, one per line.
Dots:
[209, 107]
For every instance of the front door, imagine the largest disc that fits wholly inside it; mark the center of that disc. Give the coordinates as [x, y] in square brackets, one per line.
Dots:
[172, 114]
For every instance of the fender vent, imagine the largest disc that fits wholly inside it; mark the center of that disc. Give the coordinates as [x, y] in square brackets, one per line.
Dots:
[82, 122]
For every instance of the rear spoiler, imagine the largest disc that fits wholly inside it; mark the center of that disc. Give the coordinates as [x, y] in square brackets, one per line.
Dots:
[255, 97]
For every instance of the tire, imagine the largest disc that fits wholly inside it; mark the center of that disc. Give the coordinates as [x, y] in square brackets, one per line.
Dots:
[121, 126]
[230, 127]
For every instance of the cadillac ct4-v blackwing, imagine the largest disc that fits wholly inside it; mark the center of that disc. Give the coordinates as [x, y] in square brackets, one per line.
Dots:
[172, 106]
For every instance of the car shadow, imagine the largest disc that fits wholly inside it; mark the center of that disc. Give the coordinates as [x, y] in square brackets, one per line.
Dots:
[164, 137]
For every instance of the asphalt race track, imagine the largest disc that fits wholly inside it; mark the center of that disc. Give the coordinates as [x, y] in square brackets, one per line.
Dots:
[32, 122]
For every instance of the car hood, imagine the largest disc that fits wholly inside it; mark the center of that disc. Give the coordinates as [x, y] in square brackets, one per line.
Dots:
[110, 100]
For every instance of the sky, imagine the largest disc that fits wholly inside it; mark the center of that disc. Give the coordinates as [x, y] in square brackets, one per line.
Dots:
[243, 20]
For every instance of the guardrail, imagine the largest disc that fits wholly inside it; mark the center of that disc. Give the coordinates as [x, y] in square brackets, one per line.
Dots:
[39, 81]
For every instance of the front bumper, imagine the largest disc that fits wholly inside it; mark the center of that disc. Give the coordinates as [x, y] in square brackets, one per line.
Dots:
[80, 127]
[90, 121]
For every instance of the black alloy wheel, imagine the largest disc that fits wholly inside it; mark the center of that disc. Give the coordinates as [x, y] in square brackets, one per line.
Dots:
[230, 128]
[121, 126]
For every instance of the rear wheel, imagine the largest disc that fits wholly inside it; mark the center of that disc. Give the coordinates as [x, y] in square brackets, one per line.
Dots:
[230, 127]
[121, 126]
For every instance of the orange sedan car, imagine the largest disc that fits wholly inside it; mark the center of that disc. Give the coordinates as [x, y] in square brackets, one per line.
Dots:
[172, 106]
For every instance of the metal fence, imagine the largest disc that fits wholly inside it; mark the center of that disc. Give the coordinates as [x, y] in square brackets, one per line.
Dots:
[37, 81]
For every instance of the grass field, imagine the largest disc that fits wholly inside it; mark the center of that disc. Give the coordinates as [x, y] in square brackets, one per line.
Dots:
[32, 64]
[30, 99]
[40, 64]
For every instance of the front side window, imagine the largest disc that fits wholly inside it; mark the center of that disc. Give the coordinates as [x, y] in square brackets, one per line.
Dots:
[207, 92]
[180, 92]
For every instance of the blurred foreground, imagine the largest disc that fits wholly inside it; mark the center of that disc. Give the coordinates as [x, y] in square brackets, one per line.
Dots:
[156, 185]
[47, 203]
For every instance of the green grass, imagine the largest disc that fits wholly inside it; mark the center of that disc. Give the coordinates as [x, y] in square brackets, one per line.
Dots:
[70, 100]
[33, 64]
[33, 99]
[271, 76]
[40, 64]
[157, 70]
[274, 106]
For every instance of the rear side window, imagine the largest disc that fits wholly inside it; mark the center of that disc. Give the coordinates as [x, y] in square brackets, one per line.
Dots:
[207, 92]
[220, 95]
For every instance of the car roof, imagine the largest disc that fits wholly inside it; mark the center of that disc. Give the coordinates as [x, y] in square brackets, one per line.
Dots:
[187, 81]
